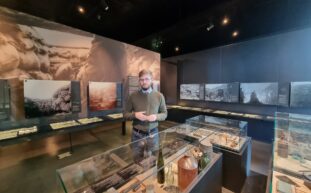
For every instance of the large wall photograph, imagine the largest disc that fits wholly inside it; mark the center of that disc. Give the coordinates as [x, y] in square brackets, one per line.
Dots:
[103, 96]
[34, 48]
[228, 92]
[191, 92]
[259, 93]
[46, 98]
[300, 94]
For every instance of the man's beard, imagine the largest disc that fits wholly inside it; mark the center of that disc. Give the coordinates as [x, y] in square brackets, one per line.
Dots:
[145, 89]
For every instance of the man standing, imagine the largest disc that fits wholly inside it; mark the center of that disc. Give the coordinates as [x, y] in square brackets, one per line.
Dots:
[145, 108]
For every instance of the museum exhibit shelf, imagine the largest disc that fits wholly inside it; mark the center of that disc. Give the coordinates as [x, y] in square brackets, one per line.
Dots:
[12, 132]
[228, 137]
[223, 112]
[291, 171]
[134, 167]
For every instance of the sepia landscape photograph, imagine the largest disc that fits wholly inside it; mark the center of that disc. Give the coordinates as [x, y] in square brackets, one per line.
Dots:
[102, 96]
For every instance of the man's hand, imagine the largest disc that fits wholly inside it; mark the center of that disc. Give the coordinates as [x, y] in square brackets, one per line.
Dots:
[141, 116]
[152, 118]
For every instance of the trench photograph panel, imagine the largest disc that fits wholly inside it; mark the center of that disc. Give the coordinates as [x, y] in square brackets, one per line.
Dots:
[46, 98]
[259, 93]
[300, 94]
[190, 91]
[227, 92]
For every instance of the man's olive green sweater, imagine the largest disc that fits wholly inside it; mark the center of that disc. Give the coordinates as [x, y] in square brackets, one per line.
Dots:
[151, 103]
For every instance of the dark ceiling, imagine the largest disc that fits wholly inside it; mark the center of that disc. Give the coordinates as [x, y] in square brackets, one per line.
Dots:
[161, 25]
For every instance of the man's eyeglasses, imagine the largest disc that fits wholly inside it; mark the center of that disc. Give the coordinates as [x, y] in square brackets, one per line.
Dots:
[144, 79]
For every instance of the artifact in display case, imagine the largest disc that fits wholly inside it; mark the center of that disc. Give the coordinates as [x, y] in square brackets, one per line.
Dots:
[64, 124]
[236, 114]
[90, 120]
[115, 116]
[253, 116]
[46, 98]
[224, 133]
[292, 153]
[5, 106]
[259, 93]
[221, 112]
[13, 133]
[282, 183]
[300, 94]
[192, 91]
[104, 96]
[292, 148]
[119, 170]
[228, 92]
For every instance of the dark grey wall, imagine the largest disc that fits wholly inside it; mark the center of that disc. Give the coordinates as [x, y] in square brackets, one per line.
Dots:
[169, 84]
[279, 58]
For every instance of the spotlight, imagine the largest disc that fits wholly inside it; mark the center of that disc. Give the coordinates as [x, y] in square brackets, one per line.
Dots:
[225, 21]
[99, 16]
[104, 5]
[177, 49]
[235, 33]
[81, 9]
[209, 27]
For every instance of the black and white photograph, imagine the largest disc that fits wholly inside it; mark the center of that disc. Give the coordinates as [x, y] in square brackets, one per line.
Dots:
[259, 93]
[190, 92]
[46, 98]
[300, 94]
[4, 100]
[227, 92]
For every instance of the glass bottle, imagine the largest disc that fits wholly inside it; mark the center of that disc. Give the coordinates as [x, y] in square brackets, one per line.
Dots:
[160, 167]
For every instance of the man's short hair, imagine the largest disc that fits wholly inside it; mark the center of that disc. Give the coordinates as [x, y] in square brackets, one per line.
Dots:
[144, 72]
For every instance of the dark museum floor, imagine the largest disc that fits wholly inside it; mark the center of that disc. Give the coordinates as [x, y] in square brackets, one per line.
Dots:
[30, 167]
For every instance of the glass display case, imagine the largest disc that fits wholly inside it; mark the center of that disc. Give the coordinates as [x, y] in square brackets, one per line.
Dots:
[169, 161]
[292, 153]
[221, 132]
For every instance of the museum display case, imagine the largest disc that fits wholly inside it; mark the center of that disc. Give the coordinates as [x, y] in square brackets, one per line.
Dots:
[137, 166]
[221, 132]
[292, 153]
[55, 107]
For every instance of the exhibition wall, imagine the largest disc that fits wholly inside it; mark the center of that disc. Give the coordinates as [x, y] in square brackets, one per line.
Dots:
[34, 48]
[281, 58]
[169, 87]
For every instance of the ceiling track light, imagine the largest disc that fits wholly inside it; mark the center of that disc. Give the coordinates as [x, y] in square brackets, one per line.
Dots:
[81, 9]
[104, 5]
[225, 21]
[235, 33]
[210, 27]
